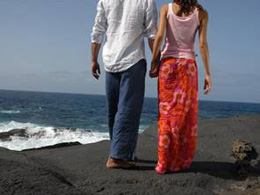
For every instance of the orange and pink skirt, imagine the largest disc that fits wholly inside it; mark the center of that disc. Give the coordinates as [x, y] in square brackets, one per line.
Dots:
[178, 114]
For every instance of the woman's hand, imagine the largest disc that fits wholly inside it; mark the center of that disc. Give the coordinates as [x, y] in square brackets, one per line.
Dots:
[207, 84]
[154, 70]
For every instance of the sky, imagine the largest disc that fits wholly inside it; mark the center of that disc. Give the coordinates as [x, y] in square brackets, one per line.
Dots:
[45, 46]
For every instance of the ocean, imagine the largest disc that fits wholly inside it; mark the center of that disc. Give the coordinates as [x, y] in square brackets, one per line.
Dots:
[37, 119]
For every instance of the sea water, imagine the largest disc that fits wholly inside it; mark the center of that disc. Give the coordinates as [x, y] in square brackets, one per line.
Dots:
[51, 118]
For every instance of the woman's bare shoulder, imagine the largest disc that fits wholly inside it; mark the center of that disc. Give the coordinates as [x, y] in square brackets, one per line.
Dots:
[164, 8]
[203, 13]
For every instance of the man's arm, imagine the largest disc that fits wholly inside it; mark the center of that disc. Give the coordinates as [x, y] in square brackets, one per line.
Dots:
[150, 42]
[95, 69]
[150, 23]
[97, 35]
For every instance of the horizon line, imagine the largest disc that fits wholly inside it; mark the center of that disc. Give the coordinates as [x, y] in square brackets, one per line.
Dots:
[78, 93]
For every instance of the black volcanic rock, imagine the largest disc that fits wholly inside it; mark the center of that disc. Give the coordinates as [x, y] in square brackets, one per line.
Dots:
[80, 169]
[5, 136]
[59, 145]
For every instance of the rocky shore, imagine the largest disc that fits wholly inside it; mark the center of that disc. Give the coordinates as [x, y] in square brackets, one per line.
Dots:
[73, 168]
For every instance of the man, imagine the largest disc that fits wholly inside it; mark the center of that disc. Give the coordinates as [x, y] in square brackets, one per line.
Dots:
[126, 23]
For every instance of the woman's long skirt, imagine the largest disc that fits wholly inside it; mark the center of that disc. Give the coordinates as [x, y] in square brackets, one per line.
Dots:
[178, 113]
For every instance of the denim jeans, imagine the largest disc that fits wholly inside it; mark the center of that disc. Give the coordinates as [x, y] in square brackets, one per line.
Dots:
[125, 95]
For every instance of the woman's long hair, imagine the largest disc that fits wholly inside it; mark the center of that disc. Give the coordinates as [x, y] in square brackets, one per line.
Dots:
[188, 5]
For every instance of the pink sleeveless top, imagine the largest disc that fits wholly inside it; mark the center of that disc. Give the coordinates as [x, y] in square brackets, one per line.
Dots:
[180, 35]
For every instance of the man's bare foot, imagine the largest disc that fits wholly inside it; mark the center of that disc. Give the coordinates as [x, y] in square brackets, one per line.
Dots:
[117, 164]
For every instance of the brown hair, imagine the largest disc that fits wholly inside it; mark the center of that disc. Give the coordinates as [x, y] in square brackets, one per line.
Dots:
[188, 5]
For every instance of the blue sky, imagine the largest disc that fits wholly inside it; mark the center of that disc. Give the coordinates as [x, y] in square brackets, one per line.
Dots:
[45, 46]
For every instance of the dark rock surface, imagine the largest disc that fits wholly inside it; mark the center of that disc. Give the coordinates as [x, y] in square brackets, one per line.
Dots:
[22, 132]
[5, 136]
[80, 169]
[59, 145]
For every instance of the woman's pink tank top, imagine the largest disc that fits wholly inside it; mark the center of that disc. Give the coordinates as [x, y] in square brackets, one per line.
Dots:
[180, 35]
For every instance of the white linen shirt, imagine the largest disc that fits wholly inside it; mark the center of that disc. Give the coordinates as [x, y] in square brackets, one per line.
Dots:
[125, 23]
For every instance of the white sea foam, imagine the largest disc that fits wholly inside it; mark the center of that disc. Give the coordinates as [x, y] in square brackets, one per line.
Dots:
[10, 111]
[7, 126]
[40, 136]
[142, 128]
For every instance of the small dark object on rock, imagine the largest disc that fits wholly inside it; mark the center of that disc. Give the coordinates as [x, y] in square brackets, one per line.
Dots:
[132, 181]
[243, 152]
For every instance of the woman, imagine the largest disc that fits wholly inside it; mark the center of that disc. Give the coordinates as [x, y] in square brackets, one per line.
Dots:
[178, 82]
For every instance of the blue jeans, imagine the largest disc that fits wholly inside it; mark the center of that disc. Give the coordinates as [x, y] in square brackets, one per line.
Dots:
[125, 95]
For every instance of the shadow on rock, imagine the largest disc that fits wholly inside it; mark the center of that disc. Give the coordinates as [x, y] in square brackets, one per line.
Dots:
[223, 170]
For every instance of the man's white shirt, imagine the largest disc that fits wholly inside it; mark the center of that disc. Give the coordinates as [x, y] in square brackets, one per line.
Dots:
[125, 24]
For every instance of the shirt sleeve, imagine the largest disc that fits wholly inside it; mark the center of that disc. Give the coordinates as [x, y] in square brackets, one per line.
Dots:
[150, 21]
[100, 25]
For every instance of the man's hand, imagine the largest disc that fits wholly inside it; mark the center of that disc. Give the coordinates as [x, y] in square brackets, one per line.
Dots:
[95, 69]
[94, 60]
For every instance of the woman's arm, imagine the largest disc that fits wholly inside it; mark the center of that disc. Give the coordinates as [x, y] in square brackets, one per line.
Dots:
[158, 40]
[204, 49]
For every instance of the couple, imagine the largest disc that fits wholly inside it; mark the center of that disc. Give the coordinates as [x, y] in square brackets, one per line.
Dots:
[126, 23]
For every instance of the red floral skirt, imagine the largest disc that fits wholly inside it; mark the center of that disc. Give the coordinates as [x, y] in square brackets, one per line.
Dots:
[178, 114]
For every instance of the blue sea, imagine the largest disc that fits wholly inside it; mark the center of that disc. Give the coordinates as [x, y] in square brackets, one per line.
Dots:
[51, 118]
